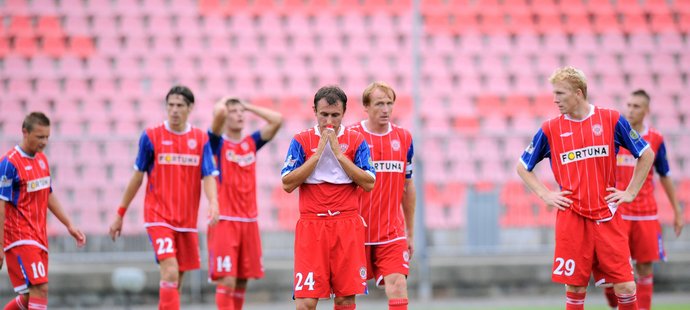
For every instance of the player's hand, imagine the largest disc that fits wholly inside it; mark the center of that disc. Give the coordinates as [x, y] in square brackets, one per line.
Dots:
[116, 228]
[617, 196]
[558, 200]
[2, 258]
[678, 224]
[77, 235]
[322, 141]
[410, 246]
[213, 214]
[333, 139]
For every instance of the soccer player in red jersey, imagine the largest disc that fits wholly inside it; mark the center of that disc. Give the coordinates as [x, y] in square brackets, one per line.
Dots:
[177, 158]
[234, 244]
[26, 194]
[582, 144]
[329, 164]
[640, 216]
[390, 228]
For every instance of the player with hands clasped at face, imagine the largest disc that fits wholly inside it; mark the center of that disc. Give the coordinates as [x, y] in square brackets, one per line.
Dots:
[178, 161]
[582, 144]
[26, 194]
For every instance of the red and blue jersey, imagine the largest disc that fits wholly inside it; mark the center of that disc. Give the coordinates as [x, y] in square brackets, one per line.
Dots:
[25, 185]
[328, 188]
[583, 156]
[237, 179]
[175, 163]
[382, 207]
[644, 206]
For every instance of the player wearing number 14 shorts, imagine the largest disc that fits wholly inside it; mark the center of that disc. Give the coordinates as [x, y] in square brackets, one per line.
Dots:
[581, 144]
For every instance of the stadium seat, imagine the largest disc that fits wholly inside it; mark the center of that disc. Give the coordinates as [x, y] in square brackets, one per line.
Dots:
[26, 46]
[81, 46]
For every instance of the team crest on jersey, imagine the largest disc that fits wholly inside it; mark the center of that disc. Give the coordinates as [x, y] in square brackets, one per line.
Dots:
[5, 182]
[597, 130]
[406, 256]
[395, 145]
[363, 272]
[289, 162]
[244, 146]
[633, 134]
[191, 143]
[178, 159]
[37, 184]
[530, 148]
[343, 147]
[584, 153]
[42, 164]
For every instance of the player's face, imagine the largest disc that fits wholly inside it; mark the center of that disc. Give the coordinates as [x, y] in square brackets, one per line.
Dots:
[178, 110]
[235, 119]
[380, 107]
[36, 140]
[565, 97]
[636, 109]
[329, 114]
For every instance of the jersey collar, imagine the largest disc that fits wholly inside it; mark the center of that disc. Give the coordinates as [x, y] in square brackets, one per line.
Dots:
[22, 153]
[231, 140]
[187, 129]
[390, 128]
[340, 132]
[591, 112]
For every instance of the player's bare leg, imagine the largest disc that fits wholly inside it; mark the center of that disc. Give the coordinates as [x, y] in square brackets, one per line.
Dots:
[38, 296]
[396, 291]
[18, 303]
[344, 302]
[240, 289]
[575, 297]
[627, 297]
[169, 294]
[645, 284]
[306, 303]
[225, 293]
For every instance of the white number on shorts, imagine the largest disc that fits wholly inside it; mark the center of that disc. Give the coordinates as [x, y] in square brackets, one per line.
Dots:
[38, 269]
[569, 266]
[165, 245]
[224, 263]
[309, 281]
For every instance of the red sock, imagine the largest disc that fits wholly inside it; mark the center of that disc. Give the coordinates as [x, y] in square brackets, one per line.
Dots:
[225, 298]
[18, 303]
[239, 298]
[627, 301]
[611, 297]
[169, 296]
[397, 304]
[345, 307]
[645, 290]
[574, 301]
[38, 303]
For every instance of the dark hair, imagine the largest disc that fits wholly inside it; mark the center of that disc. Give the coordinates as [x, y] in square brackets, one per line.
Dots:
[642, 93]
[184, 91]
[33, 119]
[232, 101]
[332, 94]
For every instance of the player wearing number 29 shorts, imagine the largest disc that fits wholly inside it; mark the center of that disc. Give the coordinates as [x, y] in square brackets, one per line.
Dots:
[582, 144]
[329, 163]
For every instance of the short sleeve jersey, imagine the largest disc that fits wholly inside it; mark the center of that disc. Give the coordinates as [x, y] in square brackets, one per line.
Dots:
[328, 188]
[644, 206]
[25, 186]
[583, 156]
[382, 207]
[175, 162]
[237, 179]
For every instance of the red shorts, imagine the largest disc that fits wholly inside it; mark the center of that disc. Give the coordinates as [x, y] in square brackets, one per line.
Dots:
[168, 243]
[27, 265]
[388, 258]
[645, 241]
[329, 256]
[234, 250]
[585, 247]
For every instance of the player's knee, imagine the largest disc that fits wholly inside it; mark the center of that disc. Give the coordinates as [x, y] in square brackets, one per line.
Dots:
[624, 288]
[170, 272]
[40, 290]
[396, 286]
[644, 269]
[306, 304]
[229, 282]
[575, 289]
[241, 283]
[344, 300]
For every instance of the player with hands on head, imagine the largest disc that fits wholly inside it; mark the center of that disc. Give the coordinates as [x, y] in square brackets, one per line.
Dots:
[177, 159]
[26, 193]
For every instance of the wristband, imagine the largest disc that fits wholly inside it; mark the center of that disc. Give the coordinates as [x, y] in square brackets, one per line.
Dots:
[121, 211]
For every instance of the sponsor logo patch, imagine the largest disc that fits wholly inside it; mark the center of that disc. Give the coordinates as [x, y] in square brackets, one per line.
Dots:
[633, 134]
[178, 159]
[38, 184]
[584, 153]
[406, 256]
[241, 160]
[389, 166]
[566, 134]
[167, 142]
[625, 160]
[5, 182]
[363, 272]
[530, 148]
[289, 162]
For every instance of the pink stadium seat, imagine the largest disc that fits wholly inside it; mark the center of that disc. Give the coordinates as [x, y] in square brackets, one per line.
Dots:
[549, 22]
[662, 21]
[556, 42]
[49, 26]
[21, 26]
[492, 22]
[613, 42]
[577, 21]
[670, 41]
[605, 21]
[519, 21]
[671, 83]
[634, 22]
[642, 42]
[599, 6]
[26, 46]
[81, 46]
[465, 22]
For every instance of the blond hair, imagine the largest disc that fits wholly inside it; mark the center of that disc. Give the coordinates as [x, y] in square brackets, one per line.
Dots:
[572, 76]
[366, 100]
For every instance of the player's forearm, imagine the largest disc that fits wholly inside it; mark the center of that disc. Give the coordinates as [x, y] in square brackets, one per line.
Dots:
[219, 115]
[296, 177]
[55, 208]
[210, 189]
[132, 188]
[2, 224]
[273, 118]
[536, 186]
[644, 163]
[409, 205]
[361, 177]
[670, 190]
